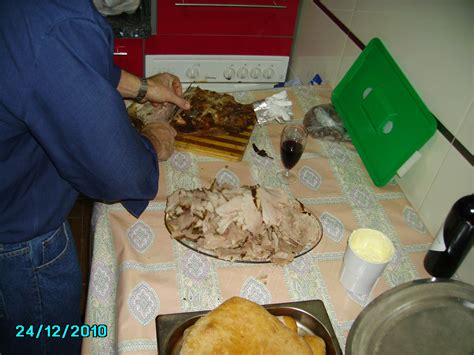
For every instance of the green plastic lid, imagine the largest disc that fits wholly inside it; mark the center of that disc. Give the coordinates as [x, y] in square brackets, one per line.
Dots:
[386, 119]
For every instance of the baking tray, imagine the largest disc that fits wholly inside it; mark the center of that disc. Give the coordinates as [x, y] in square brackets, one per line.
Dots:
[311, 318]
[423, 317]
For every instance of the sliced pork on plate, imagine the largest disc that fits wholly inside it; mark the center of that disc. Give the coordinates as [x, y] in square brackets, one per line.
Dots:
[248, 223]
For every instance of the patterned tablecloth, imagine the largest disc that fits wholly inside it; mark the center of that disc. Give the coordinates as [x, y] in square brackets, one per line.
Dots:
[138, 272]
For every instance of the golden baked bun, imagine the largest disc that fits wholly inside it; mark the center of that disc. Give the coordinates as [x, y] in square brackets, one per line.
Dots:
[290, 322]
[239, 326]
[317, 344]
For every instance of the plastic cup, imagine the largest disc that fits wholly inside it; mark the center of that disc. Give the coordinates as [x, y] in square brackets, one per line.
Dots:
[367, 254]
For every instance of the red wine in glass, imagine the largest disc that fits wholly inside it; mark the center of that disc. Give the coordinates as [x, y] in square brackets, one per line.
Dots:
[291, 152]
[292, 143]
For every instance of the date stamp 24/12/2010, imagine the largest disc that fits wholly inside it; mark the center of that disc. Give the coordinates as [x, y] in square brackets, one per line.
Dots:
[61, 331]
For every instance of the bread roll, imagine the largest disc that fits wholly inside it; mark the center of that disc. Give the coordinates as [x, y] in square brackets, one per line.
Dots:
[317, 344]
[290, 322]
[239, 326]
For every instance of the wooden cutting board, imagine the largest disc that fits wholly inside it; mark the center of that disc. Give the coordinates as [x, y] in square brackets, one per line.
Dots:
[227, 146]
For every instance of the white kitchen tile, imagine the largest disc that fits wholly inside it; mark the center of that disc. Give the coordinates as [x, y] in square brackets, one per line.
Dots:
[454, 180]
[465, 271]
[351, 53]
[419, 178]
[409, 5]
[387, 5]
[465, 133]
[318, 45]
[317, 33]
[348, 5]
[304, 68]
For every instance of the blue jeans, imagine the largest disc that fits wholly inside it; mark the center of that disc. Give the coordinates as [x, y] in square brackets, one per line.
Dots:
[40, 284]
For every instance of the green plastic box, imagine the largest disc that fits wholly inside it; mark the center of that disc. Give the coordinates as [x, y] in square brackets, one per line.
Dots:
[386, 119]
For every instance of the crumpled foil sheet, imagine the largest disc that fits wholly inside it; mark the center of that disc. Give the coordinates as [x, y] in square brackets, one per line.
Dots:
[276, 107]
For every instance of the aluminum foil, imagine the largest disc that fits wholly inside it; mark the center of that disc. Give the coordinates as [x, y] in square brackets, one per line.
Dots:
[276, 107]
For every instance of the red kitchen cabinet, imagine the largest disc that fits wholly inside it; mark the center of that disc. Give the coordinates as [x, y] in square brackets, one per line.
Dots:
[233, 27]
[227, 17]
[128, 55]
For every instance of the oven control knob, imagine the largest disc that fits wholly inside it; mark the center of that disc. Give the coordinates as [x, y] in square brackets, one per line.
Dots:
[192, 73]
[268, 73]
[255, 73]
[242, 73]
[229, 73]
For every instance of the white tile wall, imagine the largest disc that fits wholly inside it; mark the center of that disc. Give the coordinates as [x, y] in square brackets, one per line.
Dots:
[340, 5]
[433, 43]
[466, 131]
[454, 179]
[464, 272]
[312, 55]
[419, 179]
[351, 52]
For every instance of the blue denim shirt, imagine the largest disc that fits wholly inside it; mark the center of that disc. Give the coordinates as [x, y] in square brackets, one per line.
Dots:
[64, 129]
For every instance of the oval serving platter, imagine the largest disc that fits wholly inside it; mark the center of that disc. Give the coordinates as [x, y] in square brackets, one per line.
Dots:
[193, 246]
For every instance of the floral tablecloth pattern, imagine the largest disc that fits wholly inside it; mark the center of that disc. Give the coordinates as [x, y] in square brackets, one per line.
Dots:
[138, 272]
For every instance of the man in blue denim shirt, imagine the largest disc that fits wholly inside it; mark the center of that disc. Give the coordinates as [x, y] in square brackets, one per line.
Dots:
[64, 130]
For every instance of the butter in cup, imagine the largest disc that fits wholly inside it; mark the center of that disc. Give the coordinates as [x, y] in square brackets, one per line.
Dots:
[371, 245]
[367, 254]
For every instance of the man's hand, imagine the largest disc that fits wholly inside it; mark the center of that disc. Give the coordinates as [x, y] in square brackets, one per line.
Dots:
[161, 136]
[165, 87]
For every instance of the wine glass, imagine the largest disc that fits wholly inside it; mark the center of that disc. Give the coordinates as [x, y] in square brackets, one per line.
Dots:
[292, 143]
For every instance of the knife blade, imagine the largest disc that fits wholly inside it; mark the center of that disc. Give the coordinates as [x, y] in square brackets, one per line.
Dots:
[178, 109]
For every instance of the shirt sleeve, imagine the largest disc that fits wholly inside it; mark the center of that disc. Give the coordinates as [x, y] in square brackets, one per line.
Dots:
[80, 120]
